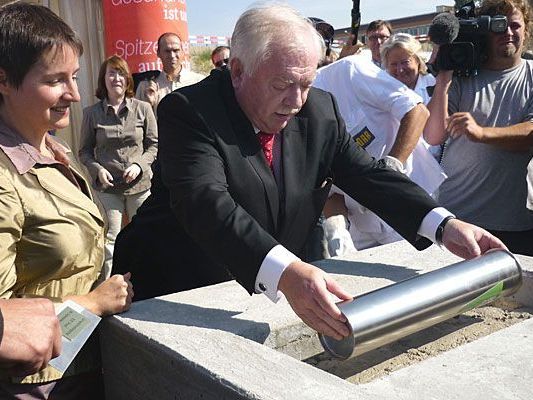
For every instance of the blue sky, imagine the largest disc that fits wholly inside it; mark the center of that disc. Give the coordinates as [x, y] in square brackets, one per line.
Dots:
[215, 17]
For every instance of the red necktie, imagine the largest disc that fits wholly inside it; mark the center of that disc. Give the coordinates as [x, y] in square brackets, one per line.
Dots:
[267, 143]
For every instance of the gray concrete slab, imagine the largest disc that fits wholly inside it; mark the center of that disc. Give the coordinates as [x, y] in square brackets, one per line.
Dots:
[499, 367]
[217, 342]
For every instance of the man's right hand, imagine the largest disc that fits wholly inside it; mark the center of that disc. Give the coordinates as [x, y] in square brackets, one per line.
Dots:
[307, 289]
[31, 335]
[151, 93]
[349, 48]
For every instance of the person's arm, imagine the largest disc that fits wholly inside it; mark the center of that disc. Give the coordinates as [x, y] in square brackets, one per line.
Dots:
[99, 174]
[150, 138]
[112, 296]
[308, 290]
[349, 48]
[435, 129]
[30, 335]
[194, 172]
[517, 137]
[468, 241]
[336, 226]
[410, 130]
[147, 91]
[462, 239]
[149, 143]
[335, 206]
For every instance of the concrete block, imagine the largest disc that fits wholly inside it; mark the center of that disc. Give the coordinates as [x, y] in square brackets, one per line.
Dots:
[220, 343]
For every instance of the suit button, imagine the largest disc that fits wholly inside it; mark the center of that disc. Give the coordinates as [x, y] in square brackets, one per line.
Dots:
[262, 287]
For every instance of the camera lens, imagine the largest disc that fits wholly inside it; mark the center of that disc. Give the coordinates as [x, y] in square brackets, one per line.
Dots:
[498, 24]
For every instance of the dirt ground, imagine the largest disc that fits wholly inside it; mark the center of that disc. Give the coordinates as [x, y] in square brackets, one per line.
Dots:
[427, 343]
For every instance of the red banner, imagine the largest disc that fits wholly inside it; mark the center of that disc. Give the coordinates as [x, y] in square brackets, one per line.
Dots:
[133, 26]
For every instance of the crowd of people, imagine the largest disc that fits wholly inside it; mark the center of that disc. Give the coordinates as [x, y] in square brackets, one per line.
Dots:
[197, 180]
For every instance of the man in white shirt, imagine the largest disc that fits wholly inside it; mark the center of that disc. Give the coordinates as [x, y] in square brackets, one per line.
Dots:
[174, 75]
[385, 118]
[376, 33]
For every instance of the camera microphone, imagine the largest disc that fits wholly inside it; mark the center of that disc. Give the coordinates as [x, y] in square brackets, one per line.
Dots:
[444, 29]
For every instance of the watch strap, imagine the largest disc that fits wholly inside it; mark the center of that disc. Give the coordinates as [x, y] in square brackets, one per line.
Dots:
[440, 229]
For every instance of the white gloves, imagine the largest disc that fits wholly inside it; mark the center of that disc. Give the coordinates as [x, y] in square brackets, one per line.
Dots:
[337, 236]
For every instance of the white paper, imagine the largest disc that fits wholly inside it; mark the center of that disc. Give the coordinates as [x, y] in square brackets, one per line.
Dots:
[77, 325]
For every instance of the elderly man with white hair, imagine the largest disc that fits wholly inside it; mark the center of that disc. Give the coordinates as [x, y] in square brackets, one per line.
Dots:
[248, 157]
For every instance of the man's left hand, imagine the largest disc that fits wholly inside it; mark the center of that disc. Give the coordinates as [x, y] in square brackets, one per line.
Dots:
[468, 241]
[462, 123]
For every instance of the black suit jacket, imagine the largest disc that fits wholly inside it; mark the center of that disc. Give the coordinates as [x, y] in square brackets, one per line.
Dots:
[224, 195]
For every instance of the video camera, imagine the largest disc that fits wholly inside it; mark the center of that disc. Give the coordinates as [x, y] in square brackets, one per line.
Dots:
[463, 38]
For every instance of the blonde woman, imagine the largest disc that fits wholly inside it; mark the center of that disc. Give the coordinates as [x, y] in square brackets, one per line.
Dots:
[402, 58]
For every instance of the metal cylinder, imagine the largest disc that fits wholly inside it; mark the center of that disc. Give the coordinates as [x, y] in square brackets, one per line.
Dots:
[393, 312]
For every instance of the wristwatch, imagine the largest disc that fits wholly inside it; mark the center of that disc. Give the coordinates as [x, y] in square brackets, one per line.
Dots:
[440, 229]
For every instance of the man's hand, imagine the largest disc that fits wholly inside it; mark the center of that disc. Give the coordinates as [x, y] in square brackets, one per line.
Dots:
[151, 93]
[462, 123]
[31, 335]
[307, 289]
[468, 241]
[349, 49]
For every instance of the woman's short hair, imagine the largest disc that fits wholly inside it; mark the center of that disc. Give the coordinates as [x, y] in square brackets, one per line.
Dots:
[119, 64]
[261, 28]
[27, 33]
[407, 42]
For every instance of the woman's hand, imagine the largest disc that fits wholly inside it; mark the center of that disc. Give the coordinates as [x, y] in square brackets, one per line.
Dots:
[105, 178]
[111, 297]
[131, 173]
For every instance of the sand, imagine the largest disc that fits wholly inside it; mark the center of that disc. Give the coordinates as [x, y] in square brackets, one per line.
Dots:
[427, 343]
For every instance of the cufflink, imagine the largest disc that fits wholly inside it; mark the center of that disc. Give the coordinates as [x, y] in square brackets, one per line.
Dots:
[262, 287]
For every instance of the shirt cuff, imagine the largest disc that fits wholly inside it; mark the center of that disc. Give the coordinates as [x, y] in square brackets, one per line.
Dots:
[275, 262]
[430, 223]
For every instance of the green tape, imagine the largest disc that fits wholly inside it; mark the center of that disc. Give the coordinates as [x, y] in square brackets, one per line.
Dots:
[485, 297]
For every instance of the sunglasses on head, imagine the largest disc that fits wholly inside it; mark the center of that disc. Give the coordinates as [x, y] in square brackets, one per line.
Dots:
[220, 63]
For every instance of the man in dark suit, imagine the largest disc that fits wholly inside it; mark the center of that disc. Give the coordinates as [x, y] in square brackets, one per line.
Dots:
[234, 212]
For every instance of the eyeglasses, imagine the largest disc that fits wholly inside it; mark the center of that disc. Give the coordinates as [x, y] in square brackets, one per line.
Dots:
[221, 63]
[375, 38]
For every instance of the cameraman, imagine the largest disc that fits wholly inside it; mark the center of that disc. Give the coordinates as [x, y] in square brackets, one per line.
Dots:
[486, 122]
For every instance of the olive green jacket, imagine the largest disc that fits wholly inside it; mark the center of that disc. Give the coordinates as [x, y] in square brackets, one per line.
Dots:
[51, 231]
